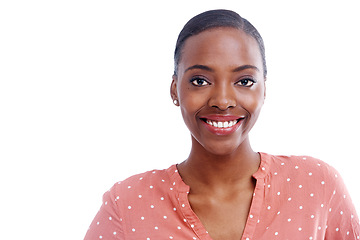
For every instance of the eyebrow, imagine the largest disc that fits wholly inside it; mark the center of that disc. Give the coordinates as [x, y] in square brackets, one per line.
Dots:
[206, 68]
[199, 66]
[243, 67]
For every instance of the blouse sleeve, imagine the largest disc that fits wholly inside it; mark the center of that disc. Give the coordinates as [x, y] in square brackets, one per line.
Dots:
[342, 221]
[107, 223]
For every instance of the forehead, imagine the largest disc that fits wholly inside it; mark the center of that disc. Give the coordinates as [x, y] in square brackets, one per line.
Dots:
[221, 47]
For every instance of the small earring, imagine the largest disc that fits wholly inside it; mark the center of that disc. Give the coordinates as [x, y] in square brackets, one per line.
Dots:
[175, 102]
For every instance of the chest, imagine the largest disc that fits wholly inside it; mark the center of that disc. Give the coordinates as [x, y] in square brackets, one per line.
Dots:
[223, 218]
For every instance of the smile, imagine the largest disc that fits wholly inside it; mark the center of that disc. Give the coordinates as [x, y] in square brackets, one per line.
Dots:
[222, 124]
[218, 124]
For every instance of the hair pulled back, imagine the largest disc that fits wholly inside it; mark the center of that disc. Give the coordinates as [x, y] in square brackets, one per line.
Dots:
[215, 19]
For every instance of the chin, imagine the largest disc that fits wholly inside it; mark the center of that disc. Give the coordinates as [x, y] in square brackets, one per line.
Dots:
[223, 148]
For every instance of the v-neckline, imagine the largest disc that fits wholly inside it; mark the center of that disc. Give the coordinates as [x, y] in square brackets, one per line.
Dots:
[193, 220]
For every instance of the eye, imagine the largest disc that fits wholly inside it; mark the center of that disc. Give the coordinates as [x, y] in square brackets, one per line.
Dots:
[198, 81]
[246, 82]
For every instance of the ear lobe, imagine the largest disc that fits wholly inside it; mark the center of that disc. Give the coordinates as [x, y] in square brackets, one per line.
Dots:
[173, 89]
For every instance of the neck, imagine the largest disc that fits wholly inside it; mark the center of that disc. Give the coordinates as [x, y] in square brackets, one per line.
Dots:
[213, 171]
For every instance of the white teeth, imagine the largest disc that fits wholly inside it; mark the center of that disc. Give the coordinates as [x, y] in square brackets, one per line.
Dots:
[221, 124]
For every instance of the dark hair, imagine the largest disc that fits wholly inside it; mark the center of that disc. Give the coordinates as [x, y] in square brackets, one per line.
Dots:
[214, 19]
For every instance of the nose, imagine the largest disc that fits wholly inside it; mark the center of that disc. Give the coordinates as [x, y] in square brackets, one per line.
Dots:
[223, 97]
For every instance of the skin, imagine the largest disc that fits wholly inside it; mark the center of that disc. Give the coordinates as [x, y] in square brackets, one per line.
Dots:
[220, 72]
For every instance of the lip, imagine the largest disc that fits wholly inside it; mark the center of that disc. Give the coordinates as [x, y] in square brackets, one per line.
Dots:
[222, 118]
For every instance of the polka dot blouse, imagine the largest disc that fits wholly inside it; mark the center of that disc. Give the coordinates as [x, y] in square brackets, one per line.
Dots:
[294, 198]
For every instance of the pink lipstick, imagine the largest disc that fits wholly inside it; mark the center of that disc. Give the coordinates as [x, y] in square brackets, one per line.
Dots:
[222, 124]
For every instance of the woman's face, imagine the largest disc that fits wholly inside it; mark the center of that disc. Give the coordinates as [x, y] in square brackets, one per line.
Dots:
[220, 88]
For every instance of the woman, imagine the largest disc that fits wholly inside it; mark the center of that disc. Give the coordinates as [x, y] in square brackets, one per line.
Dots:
[225, 190]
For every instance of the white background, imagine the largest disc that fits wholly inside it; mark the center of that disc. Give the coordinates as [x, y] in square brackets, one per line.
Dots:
[85, 102]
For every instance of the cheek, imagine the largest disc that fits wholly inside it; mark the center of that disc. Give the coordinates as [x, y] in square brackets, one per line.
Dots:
[253, 103]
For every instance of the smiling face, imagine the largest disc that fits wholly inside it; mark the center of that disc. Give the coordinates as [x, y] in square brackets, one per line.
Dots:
[220, 88]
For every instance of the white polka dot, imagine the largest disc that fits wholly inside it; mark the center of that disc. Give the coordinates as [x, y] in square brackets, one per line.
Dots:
[288, 179]
[300, 186]
[275, 173]
[276, 233]
[170, 237]
[311, 194]
[300, 228]
[289, 199]
[151, 186]
[310, 174]
[278, 193]
[341, 212]
[179, 227]
[156, 228]
[129, 186]
[263, 168]
[322, 182]
[282, 164]
[319, 228]
[268, 207]
[183, 205]
[300, 207]
[100, 237]
[97, 223]
[133, 229]
[296, 167]
[152, 206]
[251, 216]
[141, 178]
[162, 199]
[304, 158]
[110, 218]
[312, 216]
[140, 196]
[289, 220]
[174, 209]
[165, 217]
[322, 205]
[114, 233]
[310, 238]
[337, 229]
[106, 203]
[192, 225]
[142, 218]
[129, 207]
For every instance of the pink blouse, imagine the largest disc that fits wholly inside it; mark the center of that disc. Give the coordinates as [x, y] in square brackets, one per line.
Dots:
[295, 197]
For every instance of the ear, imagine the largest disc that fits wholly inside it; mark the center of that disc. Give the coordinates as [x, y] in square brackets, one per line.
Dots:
[173, 90]
[265, 88]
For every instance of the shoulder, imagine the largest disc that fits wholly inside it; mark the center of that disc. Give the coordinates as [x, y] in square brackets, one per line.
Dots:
[304, 172]
[302, 165]
[142, 184]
